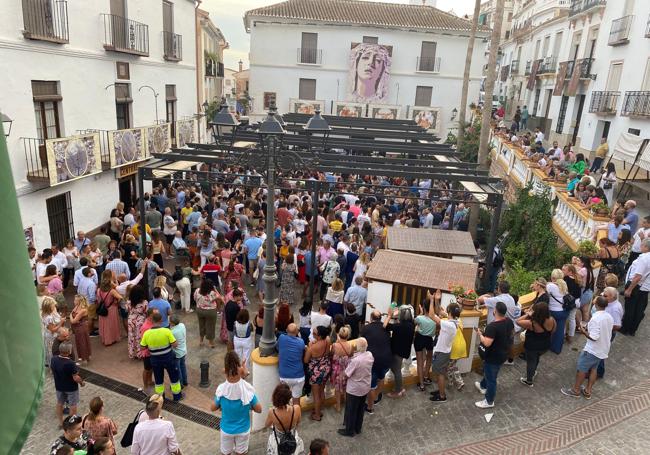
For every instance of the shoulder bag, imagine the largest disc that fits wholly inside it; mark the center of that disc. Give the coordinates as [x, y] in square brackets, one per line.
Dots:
[127, 438]
[287, 441]
[102, 309]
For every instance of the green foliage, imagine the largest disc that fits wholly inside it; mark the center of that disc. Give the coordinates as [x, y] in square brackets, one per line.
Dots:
[471, 140]
[587, 248]
[531, 240]
[520, 278]
[451, 139]
[213, 108]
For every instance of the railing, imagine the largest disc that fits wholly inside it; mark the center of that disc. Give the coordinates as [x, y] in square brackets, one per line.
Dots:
[35, 158]
[636, 104]
[529, 64]
[514, 67]
[429, 64]
[620, 31]
[210, 68]
[604, 102]
[310, 55]
[581, 6]
[104, 153]
[549, 65]
[519, 171]
[173, 46]
[46, 20]
[125, 35]
[584, 66]
[522, 29]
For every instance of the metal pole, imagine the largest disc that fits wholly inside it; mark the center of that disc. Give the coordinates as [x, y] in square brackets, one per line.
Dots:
[267, 342]
[142, 229]
[496, 216]
[314, 236]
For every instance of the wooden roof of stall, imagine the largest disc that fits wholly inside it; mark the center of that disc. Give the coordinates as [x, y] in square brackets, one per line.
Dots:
[431, 241]
[422, 271]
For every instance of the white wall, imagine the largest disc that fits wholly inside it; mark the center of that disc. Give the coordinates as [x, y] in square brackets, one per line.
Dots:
[84, 69]
[274, 67]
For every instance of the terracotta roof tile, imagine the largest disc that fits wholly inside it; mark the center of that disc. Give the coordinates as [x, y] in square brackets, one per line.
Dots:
[365, 13]
[431, 241]
[419, 270]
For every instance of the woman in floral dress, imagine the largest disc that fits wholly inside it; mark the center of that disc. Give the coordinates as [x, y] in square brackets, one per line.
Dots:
[223, 331]
[341, 352]
[137, 316]
[319, 366]
[51, 321]
[79, 324]
[233, 272]
[289, 271]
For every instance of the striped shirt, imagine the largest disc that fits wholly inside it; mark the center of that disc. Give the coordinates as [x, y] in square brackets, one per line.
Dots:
[118, 267]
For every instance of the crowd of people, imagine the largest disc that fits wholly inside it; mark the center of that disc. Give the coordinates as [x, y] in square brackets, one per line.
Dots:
[201, 255]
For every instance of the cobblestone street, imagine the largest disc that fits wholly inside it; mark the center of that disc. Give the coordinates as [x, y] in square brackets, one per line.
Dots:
[414, 425]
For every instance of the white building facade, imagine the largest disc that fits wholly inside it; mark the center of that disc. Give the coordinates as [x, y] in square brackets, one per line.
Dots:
[301, 53]
[211, 44]
[76, 67]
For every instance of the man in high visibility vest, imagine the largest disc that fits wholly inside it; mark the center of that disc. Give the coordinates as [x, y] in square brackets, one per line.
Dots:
[160, 341]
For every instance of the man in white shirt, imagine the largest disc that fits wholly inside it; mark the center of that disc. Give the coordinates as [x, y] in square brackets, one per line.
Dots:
[129, 218]
[118, 266]
[598, 333]
[42, 263]
[154, 436]
[428, 219]
[58, 258]
[442, 349]
[637, 285]
[539, 136]
[615, 310]
[320, 318]
[639, 236]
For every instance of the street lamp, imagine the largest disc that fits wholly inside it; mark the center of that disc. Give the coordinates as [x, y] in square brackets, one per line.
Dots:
[155, 97]
[454, 113]
[318, 126]
[6, 123]
[224, 119]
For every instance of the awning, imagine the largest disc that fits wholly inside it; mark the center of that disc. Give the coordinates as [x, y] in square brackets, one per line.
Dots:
[627, 148]
[177, 166]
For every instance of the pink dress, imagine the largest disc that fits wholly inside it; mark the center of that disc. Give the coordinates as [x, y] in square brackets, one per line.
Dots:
[339, 364]
[109, 325]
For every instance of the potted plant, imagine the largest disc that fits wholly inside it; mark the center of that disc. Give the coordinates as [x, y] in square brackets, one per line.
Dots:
[600, 209]
[587, 248]
[466, 298]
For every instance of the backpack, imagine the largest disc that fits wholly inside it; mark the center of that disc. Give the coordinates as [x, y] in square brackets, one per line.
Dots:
[498, 260]
[102, 310]
[568, 302]
[287, 441]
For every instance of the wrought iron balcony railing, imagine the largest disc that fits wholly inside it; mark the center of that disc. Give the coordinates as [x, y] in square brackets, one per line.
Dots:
[430, 64]
[310, 55]
[636, 104]
[46, 20]
[125, 35]
[581, 6]
[173, 46]
[604, 102]
[549, 65]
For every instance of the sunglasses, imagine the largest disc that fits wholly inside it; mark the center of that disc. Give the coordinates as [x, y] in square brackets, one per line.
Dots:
[73, 419]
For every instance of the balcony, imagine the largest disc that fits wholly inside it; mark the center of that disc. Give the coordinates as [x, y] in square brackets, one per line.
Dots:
[514, 67]
[210, 68]
[620, 31]
[36, 159]
[636, 104]
[428, 64]
[310, 56]
[220, 69]
[548, 66]
[125, 35]
[529, 64]
[584, 6]
[604, 103]
[173, 46]
[584, 67]
[46, 20]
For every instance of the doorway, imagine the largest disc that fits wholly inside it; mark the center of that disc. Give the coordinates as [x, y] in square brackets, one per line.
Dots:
[59, 217]
[581, 105]
[127, 188]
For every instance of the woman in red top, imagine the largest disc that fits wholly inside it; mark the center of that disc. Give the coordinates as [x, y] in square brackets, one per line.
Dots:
[233, 272]
[109, 325]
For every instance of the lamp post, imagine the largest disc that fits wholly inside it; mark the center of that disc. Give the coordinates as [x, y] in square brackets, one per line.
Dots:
[6, 123]
[155, 97]
[224, 119]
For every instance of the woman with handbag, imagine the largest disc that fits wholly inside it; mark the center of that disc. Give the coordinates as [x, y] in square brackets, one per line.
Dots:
[539, 327]
[108, 303]
[283, 419]
[96, 424]
[557, 290]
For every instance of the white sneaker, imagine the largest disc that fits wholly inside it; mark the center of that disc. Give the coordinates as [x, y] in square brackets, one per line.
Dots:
[509, 362]
[483, 404]
[479, 388]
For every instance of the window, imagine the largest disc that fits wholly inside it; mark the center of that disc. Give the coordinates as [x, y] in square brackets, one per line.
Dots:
[123, 102]
[122, 69]
[646, 77]
[423, 95]
[371, 40]
[614, 77]
[170, 105]
[536, 103]
[635, 131]
[168, 16]
[309, 48]
[269, 100]
[427, 60]
[307, 89]
[562, 115]
[47, 101]
[59, 217]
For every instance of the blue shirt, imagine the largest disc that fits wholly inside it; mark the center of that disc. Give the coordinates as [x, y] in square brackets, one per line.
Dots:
[179, 333]
[632, 219]
[290, 350]
[163, 307]
[193, 220]
[180, 198]
[307, 261]
[253, 245]
[613, 231]
[235, 417]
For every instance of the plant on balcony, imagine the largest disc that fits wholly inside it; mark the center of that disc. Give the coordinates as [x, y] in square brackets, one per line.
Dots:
[587, 248]
[520, 278]
[600, 209]
[465, 297]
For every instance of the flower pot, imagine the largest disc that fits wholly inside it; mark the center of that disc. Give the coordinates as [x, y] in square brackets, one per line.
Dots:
[467, 304]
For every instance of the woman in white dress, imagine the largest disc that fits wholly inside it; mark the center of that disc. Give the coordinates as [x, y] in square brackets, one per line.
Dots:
[608, 183]
[244, 337]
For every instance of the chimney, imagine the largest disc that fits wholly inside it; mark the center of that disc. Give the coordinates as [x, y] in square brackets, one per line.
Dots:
[241, 65]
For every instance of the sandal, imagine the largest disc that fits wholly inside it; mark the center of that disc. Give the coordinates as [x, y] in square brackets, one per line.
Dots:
[586, 394]
[421, 387]
[313, 417]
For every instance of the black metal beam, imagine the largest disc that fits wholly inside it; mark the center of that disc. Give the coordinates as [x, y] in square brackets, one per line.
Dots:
[366, 133]
[334, 120]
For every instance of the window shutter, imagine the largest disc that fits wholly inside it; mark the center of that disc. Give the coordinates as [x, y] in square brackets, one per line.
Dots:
[307, 89]
[423, 95]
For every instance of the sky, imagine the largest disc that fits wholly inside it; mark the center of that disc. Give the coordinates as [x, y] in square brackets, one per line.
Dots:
[228, 16]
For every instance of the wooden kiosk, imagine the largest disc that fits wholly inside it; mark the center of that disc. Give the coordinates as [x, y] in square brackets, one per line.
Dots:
[456, 245]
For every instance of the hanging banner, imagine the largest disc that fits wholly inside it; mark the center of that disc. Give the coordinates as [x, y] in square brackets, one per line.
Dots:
[127, 146]
[644, 161]
[572, 88]
[426, 117]
[355, 110]
[559, 79]
[627, 148]
[159, 138]
[306, 106]
[369, 72]
[185, 132]
[505, 71]
[384, 111]
[533, 74]
[73, 157]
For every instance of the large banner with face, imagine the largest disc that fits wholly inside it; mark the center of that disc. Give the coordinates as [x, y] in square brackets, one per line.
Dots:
[369, 72]
[73, 157]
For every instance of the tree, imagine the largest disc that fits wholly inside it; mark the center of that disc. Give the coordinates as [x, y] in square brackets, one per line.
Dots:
[468, 65]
